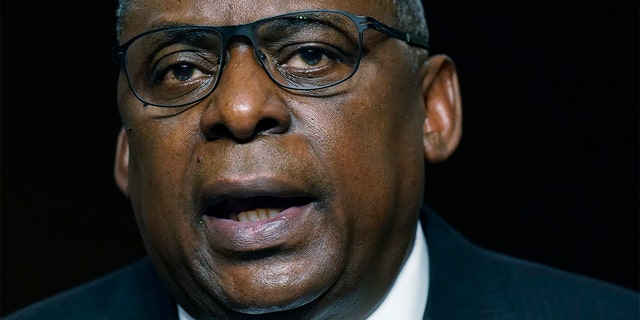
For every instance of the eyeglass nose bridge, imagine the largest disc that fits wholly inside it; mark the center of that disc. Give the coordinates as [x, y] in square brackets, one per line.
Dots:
[231, 34]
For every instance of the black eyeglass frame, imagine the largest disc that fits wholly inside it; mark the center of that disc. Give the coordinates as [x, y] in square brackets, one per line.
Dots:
[247, 30]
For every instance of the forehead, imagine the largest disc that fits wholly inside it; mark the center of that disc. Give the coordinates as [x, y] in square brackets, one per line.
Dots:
[145, 15]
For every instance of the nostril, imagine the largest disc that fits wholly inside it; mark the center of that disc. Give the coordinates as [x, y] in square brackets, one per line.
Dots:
[265, 126]
[218, 131]
[269, 125]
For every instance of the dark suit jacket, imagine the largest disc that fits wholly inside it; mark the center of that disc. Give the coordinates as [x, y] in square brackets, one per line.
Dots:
[466, 282]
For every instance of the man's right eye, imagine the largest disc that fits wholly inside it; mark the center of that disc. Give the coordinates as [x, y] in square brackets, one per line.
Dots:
[183, 69]
[177, 74]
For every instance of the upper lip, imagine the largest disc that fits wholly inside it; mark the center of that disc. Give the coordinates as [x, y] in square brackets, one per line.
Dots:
[228, 196]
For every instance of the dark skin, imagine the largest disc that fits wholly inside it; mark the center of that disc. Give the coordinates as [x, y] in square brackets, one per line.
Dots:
[352, 156]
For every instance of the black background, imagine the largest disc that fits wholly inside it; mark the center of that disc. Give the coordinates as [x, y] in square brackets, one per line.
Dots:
[547, 168]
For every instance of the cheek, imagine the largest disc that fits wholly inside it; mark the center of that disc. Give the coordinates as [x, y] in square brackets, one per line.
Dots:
[160, 154]
[371, 147]
[373, 137]
[371, 152]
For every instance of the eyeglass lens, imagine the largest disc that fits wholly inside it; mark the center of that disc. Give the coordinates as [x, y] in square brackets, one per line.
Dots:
[301, 51]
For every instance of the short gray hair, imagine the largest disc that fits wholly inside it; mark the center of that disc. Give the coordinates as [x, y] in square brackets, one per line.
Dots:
[411, 17]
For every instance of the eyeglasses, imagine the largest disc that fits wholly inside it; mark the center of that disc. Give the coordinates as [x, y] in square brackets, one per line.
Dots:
[307, 50]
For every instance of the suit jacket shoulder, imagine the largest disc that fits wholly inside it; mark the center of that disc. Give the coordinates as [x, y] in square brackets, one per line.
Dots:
[469, 282]
[133, 292]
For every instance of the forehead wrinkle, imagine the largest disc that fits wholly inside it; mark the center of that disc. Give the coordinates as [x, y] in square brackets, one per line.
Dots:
[239, 12]
[226, 13]
[236, 12]
[146, 15]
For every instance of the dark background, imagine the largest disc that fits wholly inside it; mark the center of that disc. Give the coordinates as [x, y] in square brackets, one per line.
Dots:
[547, 168]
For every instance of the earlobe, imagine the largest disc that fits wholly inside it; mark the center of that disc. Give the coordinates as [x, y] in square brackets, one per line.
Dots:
[121, 167]
[442, 127]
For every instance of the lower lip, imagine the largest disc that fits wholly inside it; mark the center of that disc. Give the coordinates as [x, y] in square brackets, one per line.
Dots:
[288, 227]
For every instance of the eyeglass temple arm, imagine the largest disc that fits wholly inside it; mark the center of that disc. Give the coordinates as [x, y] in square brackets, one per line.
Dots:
[412, 39]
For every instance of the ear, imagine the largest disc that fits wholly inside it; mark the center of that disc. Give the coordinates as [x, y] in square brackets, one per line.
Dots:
[121, 168]
[442, 127]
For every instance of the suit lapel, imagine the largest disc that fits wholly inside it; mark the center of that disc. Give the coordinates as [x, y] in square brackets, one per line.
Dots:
[463, 285]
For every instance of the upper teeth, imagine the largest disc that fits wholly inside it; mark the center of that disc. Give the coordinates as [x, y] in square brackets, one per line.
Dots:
[255, 215]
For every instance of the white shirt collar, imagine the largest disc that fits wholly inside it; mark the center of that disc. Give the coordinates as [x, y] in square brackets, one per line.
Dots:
[407, 299]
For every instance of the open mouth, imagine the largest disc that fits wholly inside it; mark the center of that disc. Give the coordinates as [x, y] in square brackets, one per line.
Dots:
[251, 209]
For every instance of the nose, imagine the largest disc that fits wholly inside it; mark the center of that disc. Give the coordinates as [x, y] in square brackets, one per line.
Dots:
[245, 103]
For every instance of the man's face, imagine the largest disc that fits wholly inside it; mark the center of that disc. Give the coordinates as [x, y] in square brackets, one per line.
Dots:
[333, 178]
